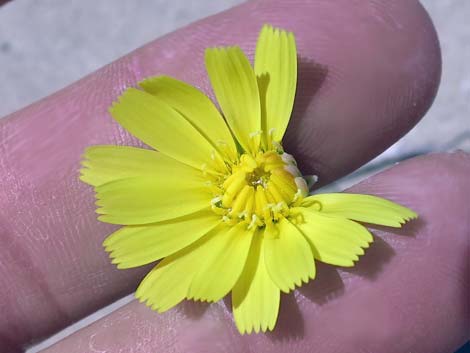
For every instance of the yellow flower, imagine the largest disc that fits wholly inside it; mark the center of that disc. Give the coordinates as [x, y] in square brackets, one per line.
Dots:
[221, 203]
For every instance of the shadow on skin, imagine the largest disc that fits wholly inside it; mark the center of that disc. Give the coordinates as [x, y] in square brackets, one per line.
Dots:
[290, 324]
[372, 263]
[328, 284]
[311, 77]
[410, 229]
[192, 310]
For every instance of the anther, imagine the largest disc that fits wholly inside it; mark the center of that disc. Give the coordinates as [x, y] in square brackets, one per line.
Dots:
[242, 214]
[278, 207]
[216, 200]
[254, 221]
[255, 133]
[219, 211]
[204, 169]
[278, 147]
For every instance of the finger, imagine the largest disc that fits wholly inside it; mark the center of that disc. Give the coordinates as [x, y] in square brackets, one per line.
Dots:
[409, 293]
[51, 253]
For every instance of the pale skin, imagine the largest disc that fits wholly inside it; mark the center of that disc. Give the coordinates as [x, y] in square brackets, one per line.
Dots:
[368, 72]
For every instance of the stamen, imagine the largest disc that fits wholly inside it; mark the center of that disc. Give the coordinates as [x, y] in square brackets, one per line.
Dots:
[254, 221]
[204, 169]
[278, 207]
[242, 215]
[249, 163]
[255, 133]
[317, 205]
[216, 200]
[271, 231]
[298, 196]
[218, 210]
[278, 147]
[213, 187]
[296, 217]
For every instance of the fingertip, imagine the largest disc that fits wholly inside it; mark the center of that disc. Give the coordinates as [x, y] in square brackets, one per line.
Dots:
[366, 77]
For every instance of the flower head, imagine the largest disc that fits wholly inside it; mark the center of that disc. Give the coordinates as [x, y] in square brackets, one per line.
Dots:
[219, 201]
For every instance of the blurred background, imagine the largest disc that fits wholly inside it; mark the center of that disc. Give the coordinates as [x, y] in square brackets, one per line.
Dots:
[46, 45]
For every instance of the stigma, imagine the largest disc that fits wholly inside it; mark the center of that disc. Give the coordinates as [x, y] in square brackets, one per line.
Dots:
[258, 189]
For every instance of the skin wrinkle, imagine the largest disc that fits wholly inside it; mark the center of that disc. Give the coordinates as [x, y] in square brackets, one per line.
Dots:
[384, 50]
[381, 11]
[43, 203]
[423, 318]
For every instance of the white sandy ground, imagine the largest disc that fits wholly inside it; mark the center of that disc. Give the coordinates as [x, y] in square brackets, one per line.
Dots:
[36, 38]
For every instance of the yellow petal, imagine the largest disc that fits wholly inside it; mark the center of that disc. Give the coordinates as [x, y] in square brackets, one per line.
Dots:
[288, 256]
[363, 208]
[222, 269]
[103, 164]
[234, 84]
[133, 246]
[197, 108]
[158, 125]
[334, 240]
[255, 297]
[276, 69]
[168, 283]
[142, 200]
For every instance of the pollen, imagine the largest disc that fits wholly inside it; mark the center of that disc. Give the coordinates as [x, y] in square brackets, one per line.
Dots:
[258, 189]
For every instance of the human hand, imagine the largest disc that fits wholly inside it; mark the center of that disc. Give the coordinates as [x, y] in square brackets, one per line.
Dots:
[376, 71]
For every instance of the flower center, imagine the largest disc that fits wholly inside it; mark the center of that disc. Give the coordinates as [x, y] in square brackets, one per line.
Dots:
[258, 189]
